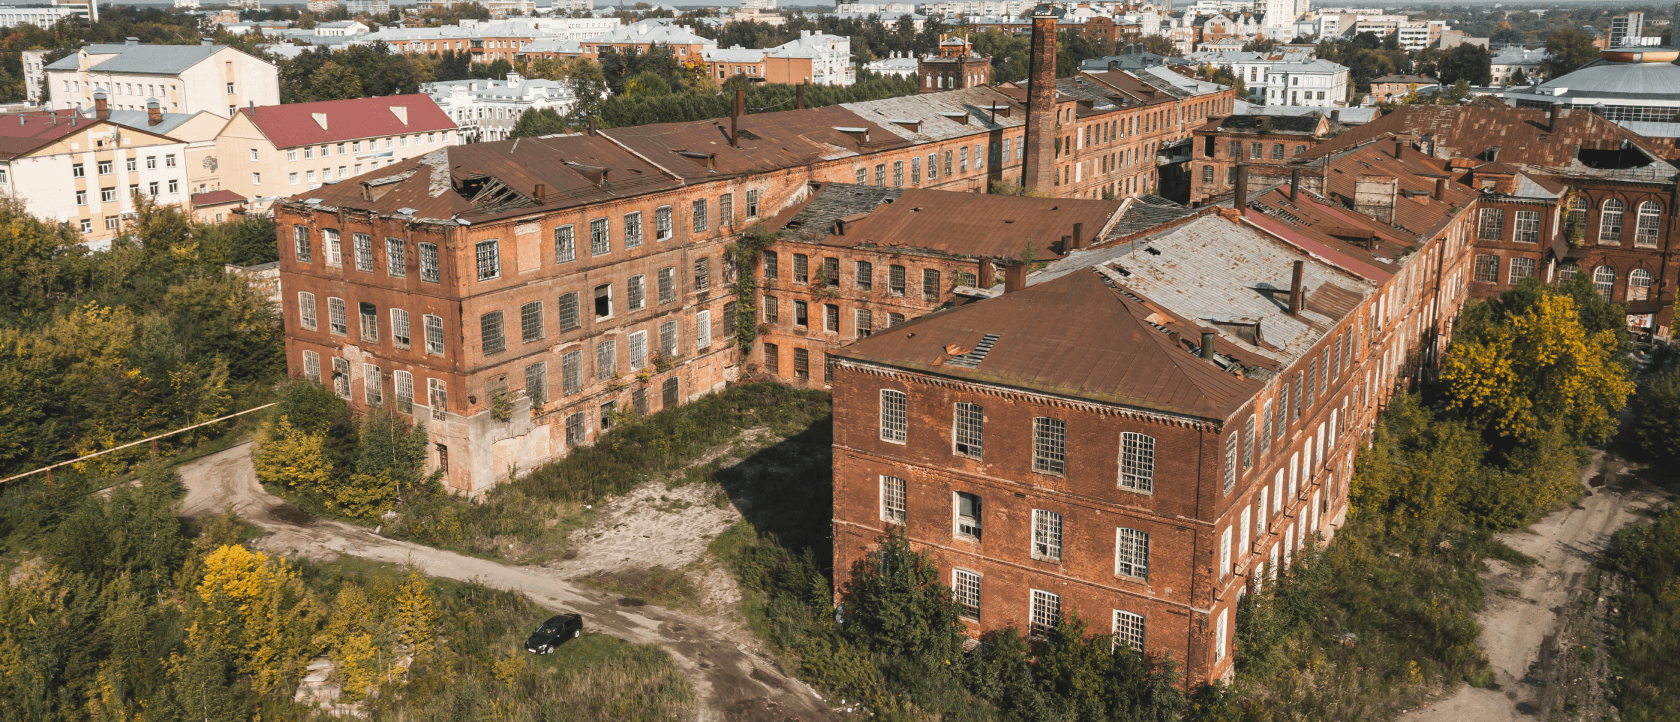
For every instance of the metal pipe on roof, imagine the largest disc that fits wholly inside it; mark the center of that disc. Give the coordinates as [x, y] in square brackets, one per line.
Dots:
[1294, 184]
[1399, 145]
[1078, 235]
[1207, 344]
[735, 118]
[799, 96]
[1241, 200]
[1440, 189]
[1295, 290]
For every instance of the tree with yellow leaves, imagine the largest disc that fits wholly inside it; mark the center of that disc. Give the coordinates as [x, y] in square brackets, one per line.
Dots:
[259, 607]
[292, 457]
[416, 614]
[354, 643]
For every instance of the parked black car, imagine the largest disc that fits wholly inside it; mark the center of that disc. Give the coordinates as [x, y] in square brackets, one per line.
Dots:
[553, 632]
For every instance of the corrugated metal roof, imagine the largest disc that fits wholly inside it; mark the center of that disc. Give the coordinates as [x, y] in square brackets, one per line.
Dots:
[298, 124]
[34, 129]
[927, 109]
[770, 141]
[139, 58]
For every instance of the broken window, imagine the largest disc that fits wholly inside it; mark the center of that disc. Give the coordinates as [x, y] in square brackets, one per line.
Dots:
[969, 430]
[336, 321]
[930, 285]
[968, 515]
[571, 372]
[429, 263]
[568, 310]
[396, 257]
[770, 304]
[489, 260]
[399, 328]
[600, 237]
[370, 322]
[608, 410]
[895, 279]
[300, 242]
[1047, 535]
[438, 398]
[536, 384]
[531, 322]
[1487, 268]
[603, 301]
[1639, 284]
[893, 415]
[894, 319]
[434, 334]
[773, 359]
[341, 377]
[669, 393]
[892, 499]
[1049, 445]
[965, 589]
[1492, 226]
[636, 293]
[700, 222]
[373, 385]
[1650, 220]
[306, 309]
[638, 350]
[1610, 222]
[865, 321]
[574, 429]
[1521, 268]
[703, 330]
[1137, 461]
[565, 244]
[1128, 630]
[865, 276]
[668, 339]
[831, 272]
[312, 366]
[606, 359]
[831, 318]
[770, 269]
[752, 203]
[800, 314]
[726, 210]
[662, 225]
[702, 274]
[1045, 613]
[1131, 553]
[730, 311]
[404, 384]
[639, 400]
[1604, 279]
[802, 364]
[801, 268]
[1230, 462]
[1248, 443]
[633, 229]
[667, 285]
[490, 333]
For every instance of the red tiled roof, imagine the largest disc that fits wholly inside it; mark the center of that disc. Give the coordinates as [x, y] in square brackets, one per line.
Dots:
[299, 124]
[216, 198]
[21, 133]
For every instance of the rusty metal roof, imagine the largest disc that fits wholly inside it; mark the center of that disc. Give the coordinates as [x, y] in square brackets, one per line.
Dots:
[699, 150]
[963, 224]
[1078, 336]
[1417, 215]
[938, 116]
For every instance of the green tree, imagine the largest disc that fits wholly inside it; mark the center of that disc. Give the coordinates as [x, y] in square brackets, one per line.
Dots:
[1656, 417]
[291, 457]
[1568, 49]
[1519, 78]
[538, 122]
[896, 606]
[335, 82]
[1467, 62]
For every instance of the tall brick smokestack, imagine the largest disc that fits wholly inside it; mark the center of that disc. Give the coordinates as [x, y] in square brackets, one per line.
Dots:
[1038, 170]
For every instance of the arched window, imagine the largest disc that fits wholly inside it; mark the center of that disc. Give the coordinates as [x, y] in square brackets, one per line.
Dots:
[1604, 279]
[1578, 212]
[1650, 218]
[1567, 271]
[1639, 284]
[1610, 222]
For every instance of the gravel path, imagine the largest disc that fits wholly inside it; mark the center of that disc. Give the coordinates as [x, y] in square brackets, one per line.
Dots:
[733, 680]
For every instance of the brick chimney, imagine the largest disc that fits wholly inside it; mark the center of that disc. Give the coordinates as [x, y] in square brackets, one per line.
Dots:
[1038, 169]
[1014, 277]
[101, 107]
[1373, 195]
[154, 113]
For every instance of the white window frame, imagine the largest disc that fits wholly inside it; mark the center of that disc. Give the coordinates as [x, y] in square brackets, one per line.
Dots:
[894, 496]
[1131, 553]
[1047, 535]
[894, 422]
[1137, 462]
[1044, 612]
[1130, 629]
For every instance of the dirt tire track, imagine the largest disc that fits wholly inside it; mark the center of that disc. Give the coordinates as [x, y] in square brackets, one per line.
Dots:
[731, 681]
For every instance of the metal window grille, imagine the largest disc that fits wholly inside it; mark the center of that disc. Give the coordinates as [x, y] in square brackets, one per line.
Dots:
[831, 272]
[1128, 630]
[434, 334]
[898, 174]
[639, 400]
[341, 377]
[1047, 535]
[770, 269]
[864, 319]
[606, 359]
[565, 244]
[1266, 425]
[1248, 443]
[536, 384]
[933, 166]
[1492, 226]
[965, 590]
[1312, 381]
[880, 174]
[574, 429]
[336, 321]
[726, 210]
[1645, 233]
[1131, 553]
[893, 418]
[531, 322]
[730, 314]
[1049, 445]
[700, 221]
[702, 274]
[399, 328]
[638, 350]
[930, 284]
[404, 382]
[1604, 279]
[1610, 222]
[668, 339]
[373, 385]
[571, 372]
[633, 229]
[568, 312]
[306, 309]
[364, 253]
[489, 260]
[703, 330]
[301, 245]
[1230, 463]
[892, 499]
[865, 276]
[895, 279]
[831, 318]
[915, 170]
[396, 257]
[667, 285]
[801, 268]
[312, 366]
[801, 364]
[1521, 268]
[490, 333]
[969, 432]
[968, 515]
[1137, 461]
[1528, 227]
[1046, 612]
[429, 263]
[600, 237]
[770, 309]
[1300, 381]
[662, 226]
[1487, 268]
[752, 203]
[636, 293]
[438, 397]
[773, 359]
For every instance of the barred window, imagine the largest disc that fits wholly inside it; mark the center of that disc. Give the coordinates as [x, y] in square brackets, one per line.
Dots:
[1131, 553]
[438, 398]
[490, 333]
[312, 366]
[968, 515]
[893, 419]
[633, 229]
[668, 339]
[571, 372]
[1047, 535]
[667, 285]
[600, 237]
[434, 334]
[801, 268]
[536, 384]
[1248, 443]
[892, 499]
[1492, 226]
[373, 385]
[702, 274]
[703, 330]
[568, 312]
[865, 322]
[773, 359]
[1137, 461]
[1049, 445]
[752, 202]
[726, 210]
[801, 363]
[930, 284]
[865, 276]
[895, 279]
[700, 222]
[1128, 630]
[662, 226]
[399, 328]
[1045, 611]
[770, 268]
[770, 310]
[404, 383]
[336, 321]
[306, 309]
[606, 359]
[1610, 222]
[341, 377]
[301, 245]
[574, 429]
[531, 322]
[638, 350]
[1230, 463]
[565, 244]
[969, 429]
[1487, 268]
[636, 293]
[1521, 268]
[965, 590]
[364, 253]
[429, 263]
[1527, 227]
[489, 261]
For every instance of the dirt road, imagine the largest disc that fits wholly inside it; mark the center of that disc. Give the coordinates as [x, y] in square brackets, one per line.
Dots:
[731, 680]
[1536, 614]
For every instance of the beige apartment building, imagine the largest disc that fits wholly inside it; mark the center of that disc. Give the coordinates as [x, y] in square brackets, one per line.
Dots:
[183, 78]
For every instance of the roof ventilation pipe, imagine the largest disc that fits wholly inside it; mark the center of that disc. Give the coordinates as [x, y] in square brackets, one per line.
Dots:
[1014, 277]
[1294, 184]
[1552, 124]
[1241, 201]
[1440, 189]
[1078, 238]
[1295, 290]
[1207, 344]
[735, 118]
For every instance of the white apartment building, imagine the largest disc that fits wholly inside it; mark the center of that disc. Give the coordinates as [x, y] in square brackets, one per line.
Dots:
[1319, 83]
[367, 7]
[340, 29]
[903, 67]
[34, 70]
[831, 56]
[184, 78]
[38, 16]
[487, 110]
[1507, 61]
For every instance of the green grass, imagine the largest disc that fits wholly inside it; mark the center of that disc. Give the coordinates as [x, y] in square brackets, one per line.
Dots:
[656, 585]
[1646, 618]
